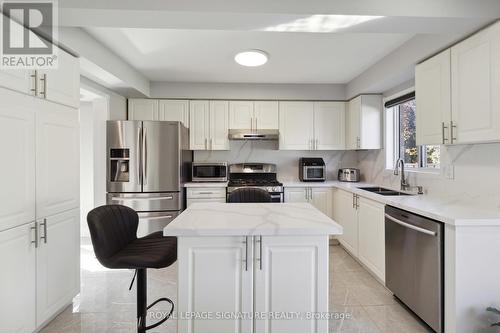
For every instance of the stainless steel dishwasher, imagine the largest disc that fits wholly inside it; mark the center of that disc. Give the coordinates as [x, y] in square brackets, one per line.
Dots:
[414, 263]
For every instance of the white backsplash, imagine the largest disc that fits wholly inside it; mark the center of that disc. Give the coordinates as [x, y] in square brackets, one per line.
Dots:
[475, 175]
[286, 160]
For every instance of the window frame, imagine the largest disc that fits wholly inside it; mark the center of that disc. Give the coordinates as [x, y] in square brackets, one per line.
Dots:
[392, 138]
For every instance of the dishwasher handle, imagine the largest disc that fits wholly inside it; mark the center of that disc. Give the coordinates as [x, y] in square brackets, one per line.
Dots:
[410, 226]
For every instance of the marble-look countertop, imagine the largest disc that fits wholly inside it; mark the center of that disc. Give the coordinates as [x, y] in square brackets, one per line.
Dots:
[247, 219]
[206, 184]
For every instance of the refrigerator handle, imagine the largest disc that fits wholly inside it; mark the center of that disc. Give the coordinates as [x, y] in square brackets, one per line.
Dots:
[144, 156]
[139, 153]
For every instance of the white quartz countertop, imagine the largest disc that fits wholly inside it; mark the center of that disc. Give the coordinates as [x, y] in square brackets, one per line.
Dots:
[247, 219]
[206, 184]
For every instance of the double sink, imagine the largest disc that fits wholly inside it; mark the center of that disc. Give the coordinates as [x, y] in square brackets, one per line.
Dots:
[382, 191]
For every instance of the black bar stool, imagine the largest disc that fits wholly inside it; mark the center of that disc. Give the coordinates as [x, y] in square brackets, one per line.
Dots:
[113, 230]
[249, 194]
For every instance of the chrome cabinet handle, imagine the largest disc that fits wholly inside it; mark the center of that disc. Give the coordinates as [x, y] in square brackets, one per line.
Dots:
[452, 132]
[211, 144]
[35, 83]
[259, 258]
[44, 237]
[251, 124]
[44, 91]
[358, 142]
[357, 201]
[35, 227]
[205, 192]
[256, 126]
[354, 201]
[410, 226]
[246, 253]
[206, 147]
[443, 128]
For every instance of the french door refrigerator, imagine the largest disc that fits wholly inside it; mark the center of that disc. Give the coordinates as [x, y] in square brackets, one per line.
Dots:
[148, 163]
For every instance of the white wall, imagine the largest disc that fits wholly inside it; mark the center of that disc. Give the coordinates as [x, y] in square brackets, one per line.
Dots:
[248, 91]
[117, 102]
[287, 161]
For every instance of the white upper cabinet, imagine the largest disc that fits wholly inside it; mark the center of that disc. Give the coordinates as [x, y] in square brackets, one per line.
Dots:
[19, 80]
[61, 85]
[17, 144]
[296, 125]
[266, 115]
[329, 125]
[253, 115]
[475, 88]
[57, 159]
[209, 123]
[174, 110]
[365, 122]
[241, 114]
[143, 109]
[433, 96]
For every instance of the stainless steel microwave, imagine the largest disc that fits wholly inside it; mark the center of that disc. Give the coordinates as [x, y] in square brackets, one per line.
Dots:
[209, 172]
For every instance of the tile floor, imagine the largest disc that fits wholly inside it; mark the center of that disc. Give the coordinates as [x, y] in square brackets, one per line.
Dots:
[106, 305]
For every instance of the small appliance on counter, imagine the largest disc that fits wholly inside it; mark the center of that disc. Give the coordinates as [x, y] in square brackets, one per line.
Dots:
[312, 169]
[209, 172]
[349, 175]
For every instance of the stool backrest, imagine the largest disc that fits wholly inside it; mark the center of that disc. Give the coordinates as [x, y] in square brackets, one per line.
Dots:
[249, 194]
[112, 227]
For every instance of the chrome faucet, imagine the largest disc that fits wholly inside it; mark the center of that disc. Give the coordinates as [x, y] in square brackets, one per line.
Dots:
[404, 183]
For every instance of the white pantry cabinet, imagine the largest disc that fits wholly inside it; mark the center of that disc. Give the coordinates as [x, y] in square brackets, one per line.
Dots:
[57, 263]
[363, 222]
[22, 81]
[433, 97]
[319, 197]
[247, 274]
[475, 88]
[17, 144]
[209, 125]
[253, 115]
[18, 279]
[174, 110]
[143, 109]
[364, 122]
[312, 125]
[57, 158]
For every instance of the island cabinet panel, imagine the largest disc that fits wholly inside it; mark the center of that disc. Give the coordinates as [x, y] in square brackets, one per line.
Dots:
[215, 277]
[291, 276]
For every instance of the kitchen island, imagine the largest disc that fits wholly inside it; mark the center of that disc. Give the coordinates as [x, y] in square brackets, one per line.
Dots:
[252, 267]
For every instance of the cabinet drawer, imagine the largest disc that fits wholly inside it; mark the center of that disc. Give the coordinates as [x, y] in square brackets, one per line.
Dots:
[206, 192]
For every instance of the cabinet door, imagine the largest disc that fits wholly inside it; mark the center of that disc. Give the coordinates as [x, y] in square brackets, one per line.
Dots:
[345, 214]
[174, 110]
[241, 114]
[17, 281]
[371, 122]
[220, 267]
[322, 199]
[354, 120]
[198, 125]
[295, 194]
[475, 90]
[329, 125]
[219, 125]
[17, 144]
[266, 115]
[61, 85]
[291, 276]
[371, 228]
[433, 95]
[18, 80]
[57, 264]
[296, 125]
[143, 109]
[57, 158]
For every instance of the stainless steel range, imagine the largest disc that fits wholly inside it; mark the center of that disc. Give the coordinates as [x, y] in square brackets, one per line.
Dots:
[259, 175]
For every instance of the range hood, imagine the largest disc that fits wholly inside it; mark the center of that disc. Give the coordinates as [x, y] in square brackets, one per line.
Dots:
[247, 134]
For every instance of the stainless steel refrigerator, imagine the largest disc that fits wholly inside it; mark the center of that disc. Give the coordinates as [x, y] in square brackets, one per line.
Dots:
[147, 165]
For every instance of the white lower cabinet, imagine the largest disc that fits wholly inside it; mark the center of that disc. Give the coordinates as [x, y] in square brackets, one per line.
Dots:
[205, 194]
[363, 222]
[18, 279]
[57, 264]
[319, 197]
[244, 275]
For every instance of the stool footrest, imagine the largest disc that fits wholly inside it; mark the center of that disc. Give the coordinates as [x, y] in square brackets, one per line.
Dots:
[164, 299]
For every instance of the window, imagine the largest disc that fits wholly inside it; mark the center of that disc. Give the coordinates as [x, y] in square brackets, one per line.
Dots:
[401, 136]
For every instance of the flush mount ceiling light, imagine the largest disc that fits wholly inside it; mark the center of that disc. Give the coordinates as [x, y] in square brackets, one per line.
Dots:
[251, 58]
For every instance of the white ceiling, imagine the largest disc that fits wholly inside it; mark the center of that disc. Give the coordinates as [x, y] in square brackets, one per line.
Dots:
[207, 55]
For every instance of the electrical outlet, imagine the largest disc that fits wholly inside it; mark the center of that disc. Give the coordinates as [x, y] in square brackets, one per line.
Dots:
[449, 172]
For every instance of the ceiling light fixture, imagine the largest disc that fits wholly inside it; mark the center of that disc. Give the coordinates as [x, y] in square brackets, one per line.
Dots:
[251, 58]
